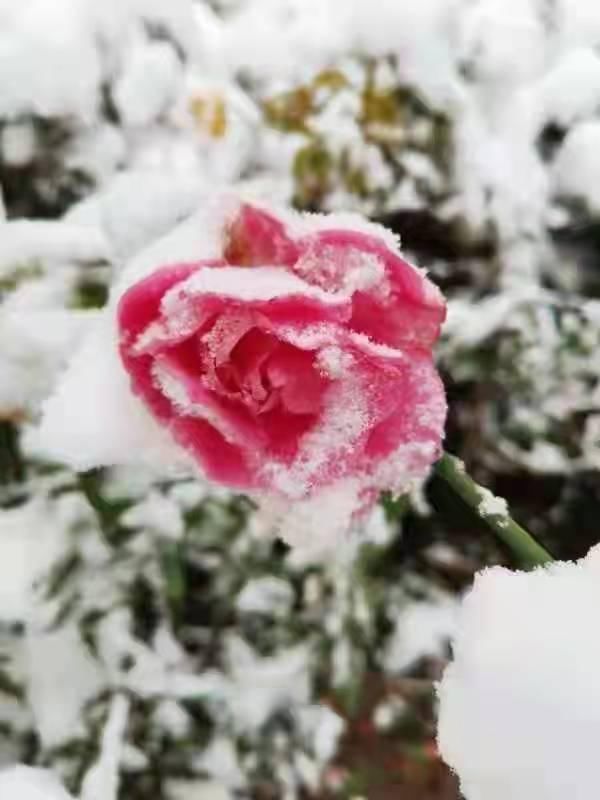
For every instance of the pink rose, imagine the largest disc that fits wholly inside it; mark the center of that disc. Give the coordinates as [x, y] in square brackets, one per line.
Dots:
[299, 361]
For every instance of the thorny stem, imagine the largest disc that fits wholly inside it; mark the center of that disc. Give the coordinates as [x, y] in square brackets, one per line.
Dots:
[529, 552]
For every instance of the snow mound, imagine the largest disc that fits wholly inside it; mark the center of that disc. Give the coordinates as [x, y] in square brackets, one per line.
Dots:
[520, 703]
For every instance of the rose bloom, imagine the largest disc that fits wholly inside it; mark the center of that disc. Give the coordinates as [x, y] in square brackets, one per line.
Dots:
[298, 364]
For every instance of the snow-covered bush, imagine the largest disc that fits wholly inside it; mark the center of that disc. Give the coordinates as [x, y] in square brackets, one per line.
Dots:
[154, 641]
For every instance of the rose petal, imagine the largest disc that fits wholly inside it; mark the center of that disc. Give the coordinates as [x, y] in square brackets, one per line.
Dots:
[181, 381]
[381, 407]
[256, 238]
[220, 460]
[246, 363]
[295, 372]
[139, 306]
[409, 311]
[418, 414]
[285, 433]
[399, 307]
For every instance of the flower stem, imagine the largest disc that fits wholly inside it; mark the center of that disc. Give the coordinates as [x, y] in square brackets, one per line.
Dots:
[490, 510]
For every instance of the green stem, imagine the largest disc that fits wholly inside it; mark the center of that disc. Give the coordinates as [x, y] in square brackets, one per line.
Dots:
[489, 510]
[12, 467]
[172, 565]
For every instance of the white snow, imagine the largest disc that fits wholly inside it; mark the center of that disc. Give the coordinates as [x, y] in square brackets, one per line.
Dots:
[520, 703]
[24, 241]
[61, 677]
[161, 669]
[174, 196]
[261, 284]
[259, 686]
[69, 35]
[101, 782]
[577, 168]
[319, 525]
[58, 35]
[221, 761]
[156, 513]
[93, 418]
[148, 82]
[18, 144]
[318, 33]
[423, 628]
[28, 783]
[571, 90]
[197, 237]
[28, 543]
[491, 505]
[323, 728]
[267, 595]
[36, 344]
[198, 790]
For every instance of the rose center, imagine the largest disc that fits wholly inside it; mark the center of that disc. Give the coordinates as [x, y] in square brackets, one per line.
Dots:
[264, 373]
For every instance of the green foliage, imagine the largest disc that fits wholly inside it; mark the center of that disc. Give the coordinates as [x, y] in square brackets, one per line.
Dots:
[391, 126]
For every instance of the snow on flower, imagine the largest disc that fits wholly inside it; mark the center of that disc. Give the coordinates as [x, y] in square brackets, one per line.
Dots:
[311, 367]
[291, 360]
[520, 703]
